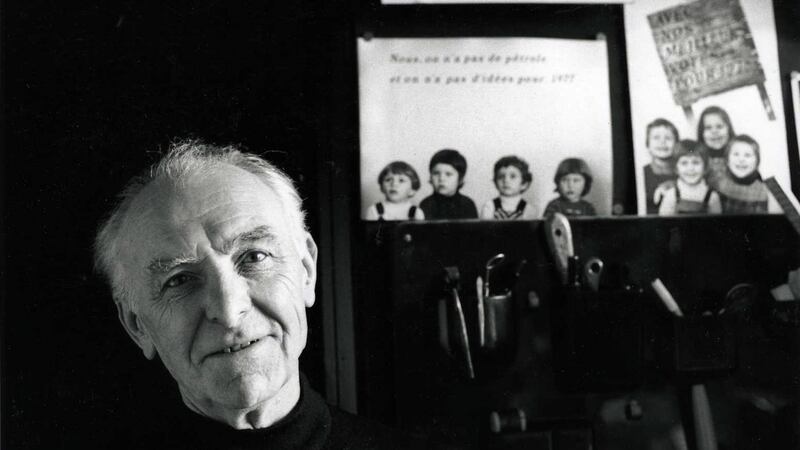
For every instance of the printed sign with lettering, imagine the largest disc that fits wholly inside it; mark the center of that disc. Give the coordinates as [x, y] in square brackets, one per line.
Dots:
[706, 48]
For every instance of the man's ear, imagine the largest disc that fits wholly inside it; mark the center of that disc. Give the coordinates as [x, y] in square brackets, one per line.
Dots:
[133, 325]
[309, 258]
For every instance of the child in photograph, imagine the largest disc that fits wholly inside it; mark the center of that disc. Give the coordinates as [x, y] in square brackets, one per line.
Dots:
[573, 181]
[714, 132]
[690, 194]
[399, 182]
[511, 178]
[661, 138]
[447, 169]
[742, 190]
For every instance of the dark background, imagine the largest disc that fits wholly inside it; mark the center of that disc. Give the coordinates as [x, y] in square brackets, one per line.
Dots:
[93, 90]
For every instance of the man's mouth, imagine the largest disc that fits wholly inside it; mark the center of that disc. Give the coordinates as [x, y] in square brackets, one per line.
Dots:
[238, 347]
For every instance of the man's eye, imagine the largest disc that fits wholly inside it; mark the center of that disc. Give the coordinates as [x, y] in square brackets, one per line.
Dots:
[253, 257]
[177, 280]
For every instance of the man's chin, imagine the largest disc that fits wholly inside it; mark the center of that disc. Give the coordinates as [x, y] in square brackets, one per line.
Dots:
[250, 390]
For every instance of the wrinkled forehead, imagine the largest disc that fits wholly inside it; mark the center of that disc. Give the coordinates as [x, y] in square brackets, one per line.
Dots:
[170, 216]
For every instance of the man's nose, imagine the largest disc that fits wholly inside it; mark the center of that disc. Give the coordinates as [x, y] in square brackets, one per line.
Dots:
[228, 300]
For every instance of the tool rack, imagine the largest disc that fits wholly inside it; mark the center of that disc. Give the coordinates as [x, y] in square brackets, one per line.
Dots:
[570, 351]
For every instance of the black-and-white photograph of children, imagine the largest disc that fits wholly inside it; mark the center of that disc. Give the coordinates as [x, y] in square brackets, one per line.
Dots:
[706, 100]
[512, 178]
[399, 183]
[690, 193]
[731, 166]
[409, 111]
[573, 181]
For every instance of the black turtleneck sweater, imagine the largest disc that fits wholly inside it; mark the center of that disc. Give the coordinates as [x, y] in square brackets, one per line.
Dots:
[312, 424]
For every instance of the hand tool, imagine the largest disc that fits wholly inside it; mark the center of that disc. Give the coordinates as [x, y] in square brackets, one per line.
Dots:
[666, 297]
[559, 239]
[452, 279]
[481, 312]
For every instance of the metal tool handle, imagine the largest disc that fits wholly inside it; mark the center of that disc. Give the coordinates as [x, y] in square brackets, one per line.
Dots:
[592, 271]
[481, 312]
[462, 334]
[559, 239]
[705, 437]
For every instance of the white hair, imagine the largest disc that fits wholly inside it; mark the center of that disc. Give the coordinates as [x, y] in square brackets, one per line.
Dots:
[185, 159]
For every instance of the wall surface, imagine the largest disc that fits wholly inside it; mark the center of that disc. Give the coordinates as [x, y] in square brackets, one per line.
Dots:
[91, 90]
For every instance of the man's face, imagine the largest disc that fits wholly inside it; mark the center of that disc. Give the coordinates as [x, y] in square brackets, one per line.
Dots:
[220, 284]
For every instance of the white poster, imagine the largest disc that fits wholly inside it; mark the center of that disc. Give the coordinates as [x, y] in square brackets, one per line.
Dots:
[708, 71]
[541, 101]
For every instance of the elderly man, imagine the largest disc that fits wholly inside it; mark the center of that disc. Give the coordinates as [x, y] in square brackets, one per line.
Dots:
[211, 269]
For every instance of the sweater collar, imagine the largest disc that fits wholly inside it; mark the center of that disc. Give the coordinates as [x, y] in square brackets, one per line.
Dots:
[307, 426]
